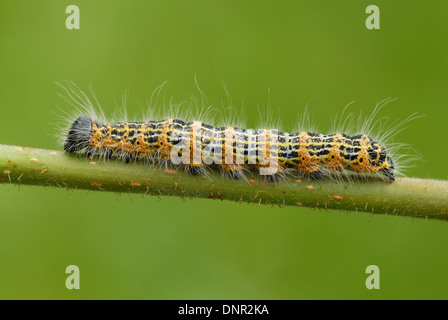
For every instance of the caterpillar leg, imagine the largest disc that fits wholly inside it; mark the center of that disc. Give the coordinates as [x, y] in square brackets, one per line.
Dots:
[389, 174]
[276, 177]
[127, 158]
[89, 153]
[195, 170]
[108, 155]
[316, 175]
[274, 174]
[232, 172]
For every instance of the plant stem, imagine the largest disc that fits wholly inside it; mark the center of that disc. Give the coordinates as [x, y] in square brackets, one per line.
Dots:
[404, 197]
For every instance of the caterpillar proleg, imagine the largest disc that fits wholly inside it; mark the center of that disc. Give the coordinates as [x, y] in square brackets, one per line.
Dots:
[197, 146]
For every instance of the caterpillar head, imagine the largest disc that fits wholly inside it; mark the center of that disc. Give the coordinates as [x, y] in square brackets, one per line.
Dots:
[381, 160]
[388, 168]
[79, 135]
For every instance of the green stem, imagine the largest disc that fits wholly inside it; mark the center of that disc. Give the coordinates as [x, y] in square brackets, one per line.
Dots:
[406, 197]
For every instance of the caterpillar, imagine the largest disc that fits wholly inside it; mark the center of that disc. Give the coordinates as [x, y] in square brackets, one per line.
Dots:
[198, 146]
[306, 152]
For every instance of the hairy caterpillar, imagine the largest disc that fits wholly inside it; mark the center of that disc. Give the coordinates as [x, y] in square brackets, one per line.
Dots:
[197, 146]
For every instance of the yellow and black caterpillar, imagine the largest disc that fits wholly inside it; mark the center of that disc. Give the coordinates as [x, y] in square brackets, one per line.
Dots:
[306, 153]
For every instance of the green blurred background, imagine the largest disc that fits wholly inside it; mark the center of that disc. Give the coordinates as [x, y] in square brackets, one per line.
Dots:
[305, 52]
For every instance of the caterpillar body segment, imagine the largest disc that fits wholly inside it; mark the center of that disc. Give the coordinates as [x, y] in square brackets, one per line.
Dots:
[233, 150]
